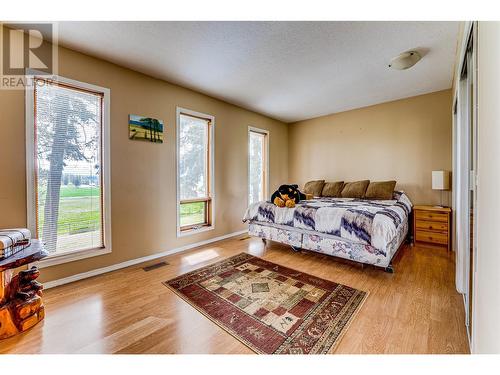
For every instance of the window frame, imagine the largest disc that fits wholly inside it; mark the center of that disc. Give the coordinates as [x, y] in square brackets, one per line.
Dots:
[252, 129]
[54, 259]
[210, 199]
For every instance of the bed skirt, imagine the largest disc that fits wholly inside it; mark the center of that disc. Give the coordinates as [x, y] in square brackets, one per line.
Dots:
[330, 245]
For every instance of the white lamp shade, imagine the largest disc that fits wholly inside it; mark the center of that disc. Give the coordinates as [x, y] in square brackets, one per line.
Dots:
[440, 180]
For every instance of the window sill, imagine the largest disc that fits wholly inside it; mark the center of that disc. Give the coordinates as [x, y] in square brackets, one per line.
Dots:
[190, 232]
[55, 259]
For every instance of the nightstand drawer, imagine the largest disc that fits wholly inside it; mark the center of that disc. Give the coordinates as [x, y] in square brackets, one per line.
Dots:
[431, 216]
[432, 237]
[433, 226]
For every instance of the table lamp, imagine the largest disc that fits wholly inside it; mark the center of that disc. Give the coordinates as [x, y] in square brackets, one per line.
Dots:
[441, 181]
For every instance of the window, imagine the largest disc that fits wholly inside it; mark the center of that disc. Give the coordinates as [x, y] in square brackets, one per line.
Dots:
[68, 168]
[194, 171]
[257, 165]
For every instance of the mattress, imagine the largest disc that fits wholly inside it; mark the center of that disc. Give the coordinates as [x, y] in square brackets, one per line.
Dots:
[329, 244]
[376, 223]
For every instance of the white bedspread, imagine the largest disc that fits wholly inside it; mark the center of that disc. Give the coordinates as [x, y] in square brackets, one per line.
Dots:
[372, 222]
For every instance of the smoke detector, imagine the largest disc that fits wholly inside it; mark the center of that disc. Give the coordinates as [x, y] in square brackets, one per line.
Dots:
[405, 60]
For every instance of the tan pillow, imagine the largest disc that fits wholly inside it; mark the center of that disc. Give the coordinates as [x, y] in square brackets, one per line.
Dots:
[380, 190]
[355, 189]
[314, 187]
[332, 189]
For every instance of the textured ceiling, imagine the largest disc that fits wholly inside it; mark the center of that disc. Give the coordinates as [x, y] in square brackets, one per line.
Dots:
[287, 70]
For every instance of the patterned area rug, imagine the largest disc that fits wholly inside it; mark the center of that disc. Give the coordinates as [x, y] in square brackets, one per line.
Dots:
[271, 308]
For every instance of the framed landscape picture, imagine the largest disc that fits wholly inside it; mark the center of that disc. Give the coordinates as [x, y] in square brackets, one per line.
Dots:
[145, 129]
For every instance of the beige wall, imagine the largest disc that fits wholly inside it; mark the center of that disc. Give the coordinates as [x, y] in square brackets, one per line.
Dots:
[402, 140]
[142, 224]
[486, 291]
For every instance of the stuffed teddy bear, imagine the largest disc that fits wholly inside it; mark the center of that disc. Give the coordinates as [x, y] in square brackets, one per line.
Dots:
[287, 196]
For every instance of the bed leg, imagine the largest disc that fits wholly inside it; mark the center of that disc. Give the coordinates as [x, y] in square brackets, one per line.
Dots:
[295, 248]
[389, 269]
[265, 241]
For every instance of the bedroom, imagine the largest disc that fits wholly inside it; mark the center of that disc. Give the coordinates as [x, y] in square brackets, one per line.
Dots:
[142, 169]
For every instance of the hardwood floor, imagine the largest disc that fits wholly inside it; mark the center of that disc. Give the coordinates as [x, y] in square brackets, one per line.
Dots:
[414, 310]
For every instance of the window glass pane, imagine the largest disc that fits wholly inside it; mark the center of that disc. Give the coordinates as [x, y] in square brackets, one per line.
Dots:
[193, 157]
[193, 213]
[256, 149]
[68, 173]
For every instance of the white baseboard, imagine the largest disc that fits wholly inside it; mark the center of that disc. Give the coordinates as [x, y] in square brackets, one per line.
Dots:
[128, 263]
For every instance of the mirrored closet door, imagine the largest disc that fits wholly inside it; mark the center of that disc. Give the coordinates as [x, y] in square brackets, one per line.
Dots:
[464, 176]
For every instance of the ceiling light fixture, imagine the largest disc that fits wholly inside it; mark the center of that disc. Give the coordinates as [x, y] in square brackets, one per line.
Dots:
[405, 60]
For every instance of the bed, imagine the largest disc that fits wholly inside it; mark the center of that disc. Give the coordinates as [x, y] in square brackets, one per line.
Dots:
[365, 231]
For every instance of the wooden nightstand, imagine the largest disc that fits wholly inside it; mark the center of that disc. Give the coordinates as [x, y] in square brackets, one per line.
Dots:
[432, 225]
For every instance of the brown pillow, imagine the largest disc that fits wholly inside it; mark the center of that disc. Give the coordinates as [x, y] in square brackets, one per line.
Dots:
[380, 190]
[314, 187]
[355, 189]
[332, 189]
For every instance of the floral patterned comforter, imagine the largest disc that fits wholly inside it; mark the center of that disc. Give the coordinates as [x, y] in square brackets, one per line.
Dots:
[372, 222]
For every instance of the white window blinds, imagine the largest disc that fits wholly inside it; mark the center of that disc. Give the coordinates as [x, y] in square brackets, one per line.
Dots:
[68, 170]
[256, 166]
[193, 157]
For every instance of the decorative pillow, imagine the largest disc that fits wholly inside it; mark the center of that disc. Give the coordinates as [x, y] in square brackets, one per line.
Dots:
[355, 189]
[332, 189]
[314, 187]
[380, 190]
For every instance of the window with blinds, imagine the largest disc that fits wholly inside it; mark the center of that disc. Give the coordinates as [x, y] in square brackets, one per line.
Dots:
[257, 165]
[68, 168]
[194, 170]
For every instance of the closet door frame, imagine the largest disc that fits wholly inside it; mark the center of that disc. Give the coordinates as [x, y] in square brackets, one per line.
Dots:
[464, 112]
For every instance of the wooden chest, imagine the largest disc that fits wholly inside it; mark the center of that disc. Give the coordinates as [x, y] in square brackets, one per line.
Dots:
[432, 225]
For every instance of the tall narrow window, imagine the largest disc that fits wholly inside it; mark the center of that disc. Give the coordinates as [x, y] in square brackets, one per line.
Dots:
[257, 165]
[67, 169]
[195, 143]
